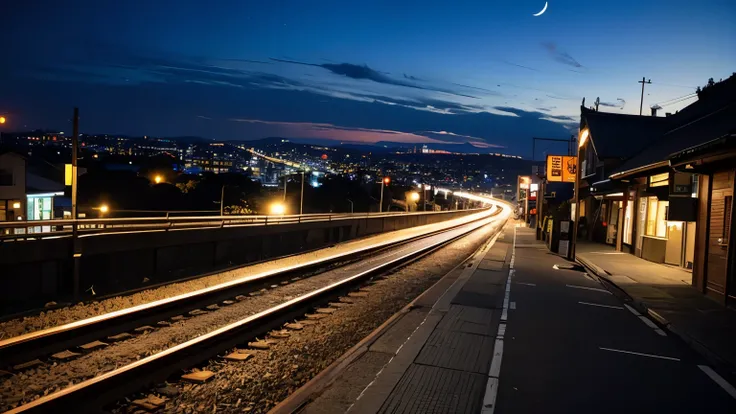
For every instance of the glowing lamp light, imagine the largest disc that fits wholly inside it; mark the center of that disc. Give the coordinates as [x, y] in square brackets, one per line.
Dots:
[583, 137]
[2, 119]
[16, 205]
[414, 196]
[277, 209]
[104, 208]
[158, 179]
[386, 180]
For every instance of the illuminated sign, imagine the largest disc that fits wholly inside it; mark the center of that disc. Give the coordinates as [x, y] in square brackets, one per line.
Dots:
[524, 182]
[67, 174]
[561, 168]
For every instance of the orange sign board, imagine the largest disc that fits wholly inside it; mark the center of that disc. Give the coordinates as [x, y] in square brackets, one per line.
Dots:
[561, 168]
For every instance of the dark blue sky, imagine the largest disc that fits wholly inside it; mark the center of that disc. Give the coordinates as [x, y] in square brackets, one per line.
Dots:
[486, 72]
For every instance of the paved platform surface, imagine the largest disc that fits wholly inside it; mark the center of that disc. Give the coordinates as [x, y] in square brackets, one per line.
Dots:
[523, 337]
[667, 294]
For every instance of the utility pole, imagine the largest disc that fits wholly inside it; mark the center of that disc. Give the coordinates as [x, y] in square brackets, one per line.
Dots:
[301, 200]
[286, 178]
[76, 248]
[642, 81]
[222, 201]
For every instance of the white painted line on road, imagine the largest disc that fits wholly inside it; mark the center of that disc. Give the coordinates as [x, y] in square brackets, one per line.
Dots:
[489, 398]
[648, 322]
[718, 380]
[632, 310]
[588, 288]
[526, 283]
[640, 354]
[660, 332]
[601, 305]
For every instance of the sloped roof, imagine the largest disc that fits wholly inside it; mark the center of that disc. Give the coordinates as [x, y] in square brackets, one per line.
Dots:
[619, 135]
[706, 128]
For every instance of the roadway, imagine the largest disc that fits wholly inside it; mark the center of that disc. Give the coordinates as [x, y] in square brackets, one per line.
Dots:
[572, 347]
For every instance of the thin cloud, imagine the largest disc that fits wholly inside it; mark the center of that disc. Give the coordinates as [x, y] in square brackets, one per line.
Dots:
[459, 138]
[339, 133]
[364, 72]
[620, 103]
[520, 66]
[561, 55]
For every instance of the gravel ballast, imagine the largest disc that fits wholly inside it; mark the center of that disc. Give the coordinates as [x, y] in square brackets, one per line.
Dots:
[30, 384]
[258, 384]
[55, 317]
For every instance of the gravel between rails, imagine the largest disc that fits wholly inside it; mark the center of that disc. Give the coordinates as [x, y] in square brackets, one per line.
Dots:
[51, 318]
[29, 385]
[256, 385]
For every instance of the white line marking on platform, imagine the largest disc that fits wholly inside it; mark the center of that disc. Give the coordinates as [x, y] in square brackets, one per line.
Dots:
[632, 310]
[489, 398]
[718, 380]
[526, 283]
[660, 332]
[601, 305]
[648, 322]
[640, 354]
[588, 288]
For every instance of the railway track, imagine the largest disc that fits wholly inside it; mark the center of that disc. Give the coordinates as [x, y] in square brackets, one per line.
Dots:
[94, 393]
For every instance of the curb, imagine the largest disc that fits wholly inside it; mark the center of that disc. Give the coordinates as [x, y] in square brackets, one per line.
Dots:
[713, 358]
[314, 387]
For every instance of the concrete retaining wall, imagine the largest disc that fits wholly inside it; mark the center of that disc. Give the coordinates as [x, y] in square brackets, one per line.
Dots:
[34, 272]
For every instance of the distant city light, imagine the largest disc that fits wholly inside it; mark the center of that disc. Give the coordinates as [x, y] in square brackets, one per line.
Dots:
[386, 180]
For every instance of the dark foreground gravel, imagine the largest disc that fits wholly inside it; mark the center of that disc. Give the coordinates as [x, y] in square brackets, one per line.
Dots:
[258, 384]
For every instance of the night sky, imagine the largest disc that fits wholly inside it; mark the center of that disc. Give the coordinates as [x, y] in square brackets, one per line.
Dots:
[485, 72]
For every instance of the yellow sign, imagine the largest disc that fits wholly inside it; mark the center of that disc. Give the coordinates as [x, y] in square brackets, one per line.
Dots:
[561, 168]
[67, 174]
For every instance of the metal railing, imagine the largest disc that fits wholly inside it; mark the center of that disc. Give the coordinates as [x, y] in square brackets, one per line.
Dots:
[48, 229]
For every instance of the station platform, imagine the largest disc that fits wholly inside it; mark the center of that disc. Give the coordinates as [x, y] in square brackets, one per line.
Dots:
[435, 355]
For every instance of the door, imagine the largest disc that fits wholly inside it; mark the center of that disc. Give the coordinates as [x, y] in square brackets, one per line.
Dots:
[720, 232]
[673, 248]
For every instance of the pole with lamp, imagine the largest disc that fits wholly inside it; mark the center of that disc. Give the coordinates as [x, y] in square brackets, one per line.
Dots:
[583, 138]
[384, 182]
[76, 247]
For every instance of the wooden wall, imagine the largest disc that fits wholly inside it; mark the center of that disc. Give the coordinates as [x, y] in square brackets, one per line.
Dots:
[717, 254]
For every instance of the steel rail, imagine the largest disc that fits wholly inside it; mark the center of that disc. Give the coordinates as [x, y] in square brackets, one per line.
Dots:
[95, 393]
[24, 348]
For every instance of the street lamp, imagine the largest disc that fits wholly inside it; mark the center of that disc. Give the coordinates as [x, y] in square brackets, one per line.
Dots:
[2, 119]
[158, 179]
[278, 209]
[103, 209]
[384, 182]
[413, 196]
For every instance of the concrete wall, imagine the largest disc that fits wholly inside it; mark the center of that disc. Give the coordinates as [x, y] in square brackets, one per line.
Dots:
[34, 272]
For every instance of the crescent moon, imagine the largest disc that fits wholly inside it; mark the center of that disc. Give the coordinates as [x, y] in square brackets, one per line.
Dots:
[543, 10]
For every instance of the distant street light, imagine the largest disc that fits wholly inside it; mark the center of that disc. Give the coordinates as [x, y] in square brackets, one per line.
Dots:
[158, 179]
[384, 182]
[278, 209]
[2, 119]
[413, 196]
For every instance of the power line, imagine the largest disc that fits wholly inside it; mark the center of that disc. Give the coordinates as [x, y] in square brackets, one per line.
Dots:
[678, 99]
[681, 100]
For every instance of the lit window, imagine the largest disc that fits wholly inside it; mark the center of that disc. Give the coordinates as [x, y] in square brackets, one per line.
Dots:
[659, 180]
